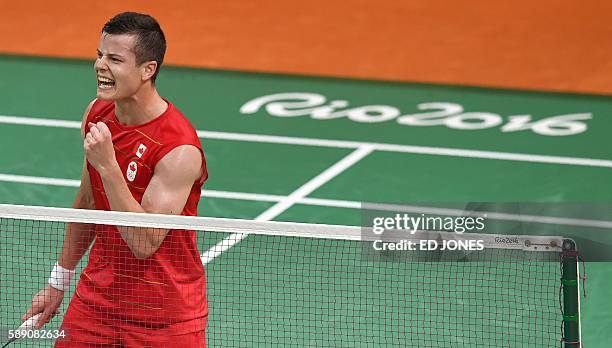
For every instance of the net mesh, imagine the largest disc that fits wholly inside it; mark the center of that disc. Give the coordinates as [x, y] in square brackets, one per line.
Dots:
[283, 290]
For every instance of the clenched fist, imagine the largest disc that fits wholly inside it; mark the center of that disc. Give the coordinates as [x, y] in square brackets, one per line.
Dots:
[99, 148]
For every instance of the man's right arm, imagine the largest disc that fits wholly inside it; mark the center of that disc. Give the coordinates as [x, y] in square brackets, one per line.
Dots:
[77, 240]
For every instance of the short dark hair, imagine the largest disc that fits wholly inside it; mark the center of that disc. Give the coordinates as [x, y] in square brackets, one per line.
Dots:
[150, 40]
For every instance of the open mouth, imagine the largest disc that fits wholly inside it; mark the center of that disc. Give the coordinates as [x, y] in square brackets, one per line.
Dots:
[105, 83]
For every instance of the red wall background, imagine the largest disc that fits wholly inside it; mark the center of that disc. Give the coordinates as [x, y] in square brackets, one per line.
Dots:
[544, 45]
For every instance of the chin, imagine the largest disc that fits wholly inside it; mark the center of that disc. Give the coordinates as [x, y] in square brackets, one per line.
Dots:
[105, 98]
[103, 95]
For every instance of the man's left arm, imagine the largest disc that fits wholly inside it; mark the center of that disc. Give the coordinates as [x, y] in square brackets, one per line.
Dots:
[166, 193]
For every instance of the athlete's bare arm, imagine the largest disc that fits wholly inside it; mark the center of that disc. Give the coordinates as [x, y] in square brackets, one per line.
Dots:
[167, 192]
[77, 239]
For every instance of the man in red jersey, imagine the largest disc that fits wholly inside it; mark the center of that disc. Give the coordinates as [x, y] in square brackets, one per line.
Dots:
[141, 287]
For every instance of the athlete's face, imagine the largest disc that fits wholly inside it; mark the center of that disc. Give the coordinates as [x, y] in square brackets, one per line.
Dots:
[118, 75]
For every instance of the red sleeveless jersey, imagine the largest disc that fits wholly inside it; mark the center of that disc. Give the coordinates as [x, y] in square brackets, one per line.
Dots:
[165, 291]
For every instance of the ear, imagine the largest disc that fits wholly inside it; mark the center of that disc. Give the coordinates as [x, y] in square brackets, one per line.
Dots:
[148, 69]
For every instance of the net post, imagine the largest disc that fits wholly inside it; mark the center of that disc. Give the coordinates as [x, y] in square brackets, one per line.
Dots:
[571, 295]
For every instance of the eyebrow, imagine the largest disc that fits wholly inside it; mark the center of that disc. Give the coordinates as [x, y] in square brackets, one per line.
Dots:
[112, 55]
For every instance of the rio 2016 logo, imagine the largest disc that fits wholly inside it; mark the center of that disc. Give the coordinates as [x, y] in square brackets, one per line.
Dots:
[451, 115]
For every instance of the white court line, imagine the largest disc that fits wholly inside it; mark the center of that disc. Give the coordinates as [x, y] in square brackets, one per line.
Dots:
[336, 203]
[258, 197]
[423, 150]
[290, 200]
[31, 121]
[23, 179]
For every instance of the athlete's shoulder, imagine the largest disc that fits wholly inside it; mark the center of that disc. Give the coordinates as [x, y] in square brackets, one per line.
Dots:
[175, 111]
[179, 120]
[173, 131]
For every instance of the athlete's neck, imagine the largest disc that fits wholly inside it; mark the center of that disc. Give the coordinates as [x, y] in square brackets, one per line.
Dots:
[140, 108]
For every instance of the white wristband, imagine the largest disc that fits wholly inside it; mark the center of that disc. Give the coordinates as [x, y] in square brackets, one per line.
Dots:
[60, 277]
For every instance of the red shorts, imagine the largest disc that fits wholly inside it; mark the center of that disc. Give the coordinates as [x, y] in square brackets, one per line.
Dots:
[82, 329]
